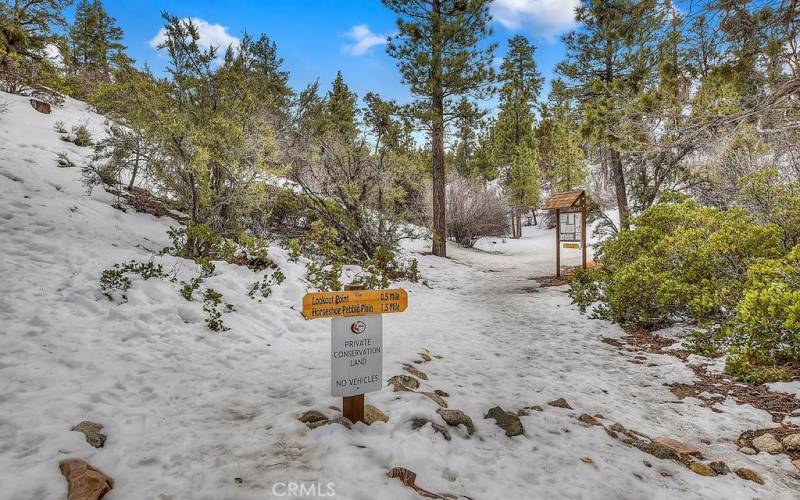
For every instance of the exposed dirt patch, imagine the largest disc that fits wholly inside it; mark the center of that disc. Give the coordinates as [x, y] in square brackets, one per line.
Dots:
[712, 388]
[639, 339]
[142, 201]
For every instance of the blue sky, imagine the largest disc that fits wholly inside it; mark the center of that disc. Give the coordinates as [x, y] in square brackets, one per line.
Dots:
[318, 37]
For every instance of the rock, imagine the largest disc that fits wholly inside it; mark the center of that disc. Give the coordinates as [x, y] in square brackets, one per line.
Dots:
[534, 408]
[91, 431]
[409, 478]
[646, 463]
[413, 371]
[617, 428]
[749, 474]
[425, 356]
[747, 450]
[334, 408]
[435, 398]
[441, 393]
[403, 383]
[705, 441]
[421, 422]
[792, 442]
[372, 415]
[679, 448]
[40, 106]
[84, 482]
[767, 443]
[335, 420]
[656, 449]
[456, 418]
[312, 416]
[588, 419]
[506, 421]
[720, 467]
[560, 403]
[796, 463]
[702, 469]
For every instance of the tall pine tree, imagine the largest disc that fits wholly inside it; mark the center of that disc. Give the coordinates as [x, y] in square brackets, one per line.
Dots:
[517, 147]
[94, 41]
[439, 55]
[609, 58]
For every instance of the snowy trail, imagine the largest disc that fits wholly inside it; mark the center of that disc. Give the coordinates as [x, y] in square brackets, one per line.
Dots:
[192, 414]
[504, 345]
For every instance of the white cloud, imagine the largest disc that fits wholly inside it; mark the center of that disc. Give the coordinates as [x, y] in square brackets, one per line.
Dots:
[545, 18]
[210, 35]
[363, 40]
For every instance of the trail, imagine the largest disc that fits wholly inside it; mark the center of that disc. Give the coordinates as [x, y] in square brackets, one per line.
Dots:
[201, 415]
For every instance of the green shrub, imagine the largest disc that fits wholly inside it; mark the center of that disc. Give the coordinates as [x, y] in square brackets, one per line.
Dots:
[680, 262]
[727, 272]
[188, 288]
[214, 307]
[293, 245]
[742, 365]
[81, 136]
[114, 281]
[766, 328]
[264, 287]
[325, 271]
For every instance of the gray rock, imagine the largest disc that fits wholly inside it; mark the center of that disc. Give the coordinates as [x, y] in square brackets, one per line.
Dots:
[456, 418]
[792, 442]
[749, 474]
[435, 398]
[413, 371]
[312, 416]
[373, 414]
[335, 420]
[91, 431]
[702, 469]
[418, 423]
[747, 450]
[403, 383]
[506, 421]
[720, 467]
[560, 403]
[767, 443]
[589, 420]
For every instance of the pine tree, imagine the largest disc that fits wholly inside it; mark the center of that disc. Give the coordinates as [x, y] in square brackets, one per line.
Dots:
[342, 110]
[26, 29]
[439, 55]
[561, 160]
[517, 146]
[468, 122]
[609, 58]
[94, 40]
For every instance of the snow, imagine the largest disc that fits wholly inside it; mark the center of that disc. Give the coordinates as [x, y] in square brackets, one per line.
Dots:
[188, 411]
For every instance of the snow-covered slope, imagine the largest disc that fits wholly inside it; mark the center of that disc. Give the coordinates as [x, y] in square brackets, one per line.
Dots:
[201, 415]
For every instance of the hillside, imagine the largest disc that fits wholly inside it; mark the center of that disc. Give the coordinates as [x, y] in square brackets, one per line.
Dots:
[191, 413]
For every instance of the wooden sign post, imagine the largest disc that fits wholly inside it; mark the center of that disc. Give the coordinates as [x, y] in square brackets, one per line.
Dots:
[569, 231]
[353, 406]
[356, 339]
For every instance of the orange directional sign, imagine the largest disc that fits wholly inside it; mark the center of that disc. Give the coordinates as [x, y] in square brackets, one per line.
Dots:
[354, 303]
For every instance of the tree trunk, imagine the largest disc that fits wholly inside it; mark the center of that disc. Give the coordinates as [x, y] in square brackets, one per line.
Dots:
[618, 176]
[437, 138]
